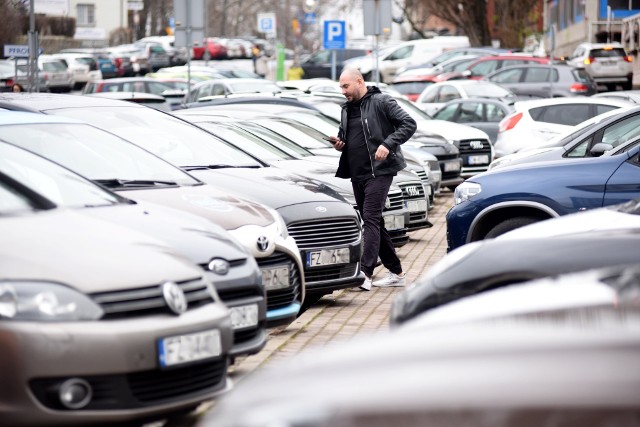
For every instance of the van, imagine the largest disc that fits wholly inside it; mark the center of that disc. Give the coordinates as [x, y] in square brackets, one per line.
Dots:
[318, 64]
[404, 54]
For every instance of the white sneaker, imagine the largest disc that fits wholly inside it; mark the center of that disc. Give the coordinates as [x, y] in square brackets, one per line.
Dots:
[391, 280]
[366, 285]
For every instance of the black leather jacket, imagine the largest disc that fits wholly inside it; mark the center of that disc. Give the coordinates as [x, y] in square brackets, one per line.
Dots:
[384, 122]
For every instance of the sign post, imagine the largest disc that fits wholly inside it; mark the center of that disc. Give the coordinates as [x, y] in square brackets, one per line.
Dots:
[335, 37]
[377, 19]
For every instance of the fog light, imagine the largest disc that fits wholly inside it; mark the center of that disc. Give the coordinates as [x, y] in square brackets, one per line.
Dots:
[75, 393]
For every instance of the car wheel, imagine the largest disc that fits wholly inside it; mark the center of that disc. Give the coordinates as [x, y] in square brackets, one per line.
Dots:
[510, 224]
[611, 87]
[628, 85]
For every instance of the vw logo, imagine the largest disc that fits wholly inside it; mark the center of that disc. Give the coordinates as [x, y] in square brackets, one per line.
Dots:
[321, 209]
[219, 266]
[174, 297]
[387, 203]
[263, 243]
[476, 145]
[413, 191]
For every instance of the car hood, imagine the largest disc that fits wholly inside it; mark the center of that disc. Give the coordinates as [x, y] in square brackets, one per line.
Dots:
[602, 219]
[192, 236]
[89, 254]
[450, 131]
[273, 187]
[528, 156]
[228, 211]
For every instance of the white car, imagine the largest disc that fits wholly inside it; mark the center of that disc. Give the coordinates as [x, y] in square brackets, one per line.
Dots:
[433, 97]
[607, 63]
[84, 67]
[535, 122]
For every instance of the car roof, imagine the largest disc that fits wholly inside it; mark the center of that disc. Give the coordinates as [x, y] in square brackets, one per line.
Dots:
[51, 101]
[533, 103]
[22, 117]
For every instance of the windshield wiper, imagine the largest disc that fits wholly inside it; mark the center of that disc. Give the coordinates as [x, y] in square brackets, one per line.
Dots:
[216, 166]
[118, 183]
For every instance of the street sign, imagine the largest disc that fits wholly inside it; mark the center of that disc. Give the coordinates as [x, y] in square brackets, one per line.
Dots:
[335, 35]
[310, 18]
[18, 51]
[267, 24]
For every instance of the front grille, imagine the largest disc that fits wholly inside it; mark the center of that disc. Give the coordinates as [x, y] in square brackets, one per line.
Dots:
[313, 235]
[149, 300]
[396, 200]
[412, 190]
[474, 147]
[233, 294]
[424, 177]
[141, 389]
[281, 298]
[332, 272]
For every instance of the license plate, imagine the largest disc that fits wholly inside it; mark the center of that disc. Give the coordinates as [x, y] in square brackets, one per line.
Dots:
[244, 316]
[452, 166]
[181, 349]
[394, 222]
[328, 257]
[275, 278]
[417, 205]
[478, 160]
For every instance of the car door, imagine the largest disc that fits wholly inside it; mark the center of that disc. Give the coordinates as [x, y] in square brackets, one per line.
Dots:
[624, 184]
[509, 79]
[537, 82]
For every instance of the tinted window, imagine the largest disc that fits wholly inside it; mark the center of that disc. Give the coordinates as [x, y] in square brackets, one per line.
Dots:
[608, 53]
[470, 112]
[507, 76]
[563, 114]
[580, 75]
[494, 113]
[604, 108]
[483, 68]
[539, 75]
[411, 87]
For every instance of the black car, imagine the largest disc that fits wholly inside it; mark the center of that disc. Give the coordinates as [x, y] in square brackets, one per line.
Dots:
[319, 64]
[555, 246]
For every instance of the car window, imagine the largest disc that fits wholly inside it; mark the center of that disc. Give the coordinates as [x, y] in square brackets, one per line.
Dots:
[446, 113]
[411, 87]
[622, 131]
[431, 95]
[540, 75]
[494, 113]
[157, 88]
[608, 53]
[604, 108]
[217, 89]
[483, 68]
[580, 150]
[486, 90]
[447, 93]
[562, 114]
[507, 76]
[511, 62]
[580, 75]
[458, 65]
[470, 112]
[401, 53]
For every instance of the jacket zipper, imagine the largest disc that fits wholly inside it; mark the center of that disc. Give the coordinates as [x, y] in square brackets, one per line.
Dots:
[365, 125]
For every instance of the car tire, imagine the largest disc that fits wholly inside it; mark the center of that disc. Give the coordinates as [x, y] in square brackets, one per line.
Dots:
[510, 224]
[628, 85]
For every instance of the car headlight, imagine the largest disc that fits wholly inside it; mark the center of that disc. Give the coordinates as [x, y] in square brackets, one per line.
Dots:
[502, 161]
[44, 301]
[465, 191]
[282, 226]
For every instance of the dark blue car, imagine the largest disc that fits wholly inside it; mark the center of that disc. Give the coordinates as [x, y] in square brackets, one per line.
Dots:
[495, 202]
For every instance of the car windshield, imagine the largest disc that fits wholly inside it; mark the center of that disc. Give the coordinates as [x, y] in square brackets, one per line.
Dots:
[415, 113]
[12, 202]
[250, 87]
[324, 124]
[94, 153]
[172, 139]
[56, 183]
[303, 135]
[246, 141]
[276, 139]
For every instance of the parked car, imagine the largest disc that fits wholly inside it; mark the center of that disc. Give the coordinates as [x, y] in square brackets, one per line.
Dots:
[10, 73]
[508, 198]
[155, 53]
[225, 87]
[633, 96]
[449, 54]
[606, 63]
[105, 62]
[129, 84]
[566, 367]
[481, 113]
[489, 64]
[56, 74]
[318, 64]
[138, 174]
[412, 83]
[177, 55]
[70, 328]
[147, 99]
[84, 67]
[213, 48]
[436, 95]
[534, 122]
[136, 55]
[547, 248]
[544, 81]
[591, 138]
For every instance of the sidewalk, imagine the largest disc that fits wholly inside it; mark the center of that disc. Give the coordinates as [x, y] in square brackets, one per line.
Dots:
[350, 312]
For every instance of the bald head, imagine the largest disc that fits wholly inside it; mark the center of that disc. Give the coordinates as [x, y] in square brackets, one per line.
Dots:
[352, 84]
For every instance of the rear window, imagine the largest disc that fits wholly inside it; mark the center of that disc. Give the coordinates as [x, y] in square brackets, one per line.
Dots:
[608, 53]
[580, 75]
[562, 114]
[54, 66]
[411, 87]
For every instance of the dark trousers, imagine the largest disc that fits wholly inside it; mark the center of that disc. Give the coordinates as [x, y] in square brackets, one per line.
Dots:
[370, 196]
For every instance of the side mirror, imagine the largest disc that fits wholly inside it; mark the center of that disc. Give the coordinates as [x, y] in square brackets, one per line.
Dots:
[600, 148]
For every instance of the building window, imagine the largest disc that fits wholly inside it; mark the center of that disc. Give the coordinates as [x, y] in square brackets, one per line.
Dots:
[86, 15]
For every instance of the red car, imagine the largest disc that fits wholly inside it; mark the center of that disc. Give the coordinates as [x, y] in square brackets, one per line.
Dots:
[488, 64]
[215, 48]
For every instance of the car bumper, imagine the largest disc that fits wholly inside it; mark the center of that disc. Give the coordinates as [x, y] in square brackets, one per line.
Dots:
[116, 358]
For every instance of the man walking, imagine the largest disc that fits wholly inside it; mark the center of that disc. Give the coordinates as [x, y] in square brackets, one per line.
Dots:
[372, 128]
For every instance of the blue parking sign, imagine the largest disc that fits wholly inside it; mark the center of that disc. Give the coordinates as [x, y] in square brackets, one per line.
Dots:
[335, 35]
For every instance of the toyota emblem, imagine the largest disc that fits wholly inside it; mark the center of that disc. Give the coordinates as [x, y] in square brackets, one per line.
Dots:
[263, 243]
[175, 298]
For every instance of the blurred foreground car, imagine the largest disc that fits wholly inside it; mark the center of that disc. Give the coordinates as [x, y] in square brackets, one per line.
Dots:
[504, 199]
[576, 365]
[136, 173]
[551, 247]
[71, 323]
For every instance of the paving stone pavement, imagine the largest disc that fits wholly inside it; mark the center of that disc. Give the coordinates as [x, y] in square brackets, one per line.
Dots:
[349, 312]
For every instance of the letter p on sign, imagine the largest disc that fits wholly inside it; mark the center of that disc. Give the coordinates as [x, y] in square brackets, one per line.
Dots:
[334, 35]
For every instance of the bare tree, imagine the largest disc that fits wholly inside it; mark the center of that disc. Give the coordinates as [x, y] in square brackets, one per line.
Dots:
[11, 26]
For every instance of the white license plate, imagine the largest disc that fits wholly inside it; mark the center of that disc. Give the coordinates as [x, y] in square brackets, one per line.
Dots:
[417, 205]
[244, 316]
[328, 257]
[478, 160]
[394, 222]
[275, 278]
[181, 349]
[452, 166]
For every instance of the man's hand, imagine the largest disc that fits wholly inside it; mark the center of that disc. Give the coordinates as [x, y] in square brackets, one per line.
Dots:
[338, 144]
[382, 152]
